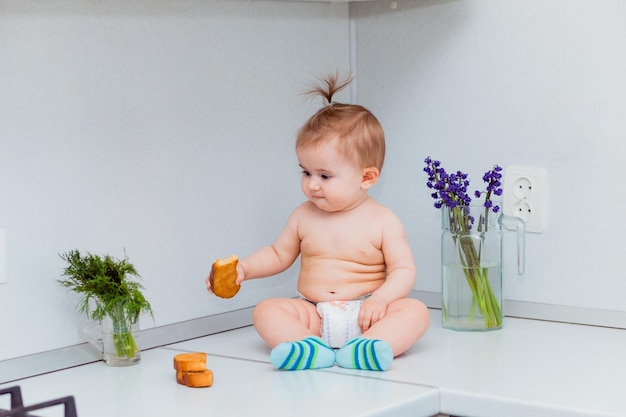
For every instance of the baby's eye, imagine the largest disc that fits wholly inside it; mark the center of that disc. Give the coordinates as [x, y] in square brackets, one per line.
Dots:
[325, 176]
[306, 173]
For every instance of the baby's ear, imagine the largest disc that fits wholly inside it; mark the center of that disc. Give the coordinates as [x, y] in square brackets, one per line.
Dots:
[370, 176]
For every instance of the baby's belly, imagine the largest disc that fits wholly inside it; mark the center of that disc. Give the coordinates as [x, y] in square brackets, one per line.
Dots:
[338, 280]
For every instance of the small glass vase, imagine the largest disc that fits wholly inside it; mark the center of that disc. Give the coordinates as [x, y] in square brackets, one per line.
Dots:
[471, 267]
[117, 338]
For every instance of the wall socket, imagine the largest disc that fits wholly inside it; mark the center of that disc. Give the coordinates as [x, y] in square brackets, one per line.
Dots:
[3, 256]
[525, 196]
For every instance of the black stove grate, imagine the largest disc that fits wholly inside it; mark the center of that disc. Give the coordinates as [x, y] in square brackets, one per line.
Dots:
[19, 410]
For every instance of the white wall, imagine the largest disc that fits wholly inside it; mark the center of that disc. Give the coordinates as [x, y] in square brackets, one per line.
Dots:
[161, 128]
[536, 83]
[166, 129]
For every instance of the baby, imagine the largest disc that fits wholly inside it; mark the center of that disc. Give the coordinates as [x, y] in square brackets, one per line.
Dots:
[356, 265]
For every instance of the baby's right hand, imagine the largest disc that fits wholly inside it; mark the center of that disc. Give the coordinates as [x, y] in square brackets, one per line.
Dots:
[208, 281]
[241, 275]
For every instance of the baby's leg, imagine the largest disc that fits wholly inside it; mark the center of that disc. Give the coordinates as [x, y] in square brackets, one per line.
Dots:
[279, 320]
[406, 322]
[292, 328]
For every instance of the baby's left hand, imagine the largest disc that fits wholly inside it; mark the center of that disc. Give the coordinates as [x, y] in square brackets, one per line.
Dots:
[372, 310]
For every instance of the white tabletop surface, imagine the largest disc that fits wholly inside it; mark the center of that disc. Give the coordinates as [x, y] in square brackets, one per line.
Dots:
[529, 368]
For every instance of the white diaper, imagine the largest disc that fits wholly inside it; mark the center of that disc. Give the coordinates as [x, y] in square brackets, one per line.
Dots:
[340, 321]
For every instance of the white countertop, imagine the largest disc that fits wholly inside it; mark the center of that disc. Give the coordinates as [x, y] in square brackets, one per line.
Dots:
[529, 368]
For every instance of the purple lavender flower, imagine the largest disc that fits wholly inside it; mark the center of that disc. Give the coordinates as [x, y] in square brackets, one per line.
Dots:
[450, 190]
[494, 186]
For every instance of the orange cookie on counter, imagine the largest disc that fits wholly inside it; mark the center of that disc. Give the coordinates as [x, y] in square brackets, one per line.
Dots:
[197, 379]
[224, 277]
[191, 370]
[190, 362]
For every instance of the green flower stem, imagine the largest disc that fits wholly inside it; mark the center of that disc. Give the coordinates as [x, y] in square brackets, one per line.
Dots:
[125, 346]
[476, 275]
[123, 340]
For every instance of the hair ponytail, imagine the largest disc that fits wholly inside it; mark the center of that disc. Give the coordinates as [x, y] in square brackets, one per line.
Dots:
[328, 86]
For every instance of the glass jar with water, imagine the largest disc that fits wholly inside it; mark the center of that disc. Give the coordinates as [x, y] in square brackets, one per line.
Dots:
[471, 266]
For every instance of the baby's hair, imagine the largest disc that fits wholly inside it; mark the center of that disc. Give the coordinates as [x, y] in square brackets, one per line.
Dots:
[328, 87]
[360, 135]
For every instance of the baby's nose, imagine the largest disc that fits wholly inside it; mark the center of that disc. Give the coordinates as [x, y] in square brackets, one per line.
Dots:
[314, 184]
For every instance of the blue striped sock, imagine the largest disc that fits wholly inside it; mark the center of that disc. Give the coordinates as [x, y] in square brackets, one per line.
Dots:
[367, 354]
[309, 353]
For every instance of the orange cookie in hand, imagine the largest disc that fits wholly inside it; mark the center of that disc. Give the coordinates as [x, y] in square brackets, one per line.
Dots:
[224, 277]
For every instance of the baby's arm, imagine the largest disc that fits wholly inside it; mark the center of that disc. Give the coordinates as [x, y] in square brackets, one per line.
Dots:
[399, 263]
[401, 272]
[271, 260]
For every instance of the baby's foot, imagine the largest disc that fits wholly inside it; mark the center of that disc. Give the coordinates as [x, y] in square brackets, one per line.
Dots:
[367, 354]
[309, 353]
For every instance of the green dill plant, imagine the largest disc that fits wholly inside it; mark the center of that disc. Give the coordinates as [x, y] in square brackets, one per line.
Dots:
[106, 289]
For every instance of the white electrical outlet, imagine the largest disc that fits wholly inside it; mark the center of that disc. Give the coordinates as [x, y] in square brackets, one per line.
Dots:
[3, 256]
[525, 196]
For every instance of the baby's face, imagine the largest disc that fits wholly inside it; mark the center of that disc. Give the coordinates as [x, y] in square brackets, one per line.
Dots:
[329, 180]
